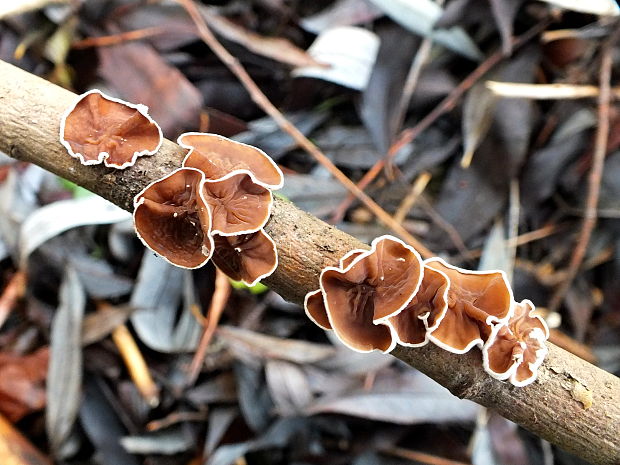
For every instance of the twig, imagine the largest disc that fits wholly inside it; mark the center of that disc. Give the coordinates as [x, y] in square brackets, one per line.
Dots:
[218, 303]
[594, 178]
[13, 291]
[263, 102]
[417, 188]
[448, 103]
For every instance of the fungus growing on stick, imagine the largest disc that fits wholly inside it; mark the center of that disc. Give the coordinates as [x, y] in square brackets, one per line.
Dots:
[359, 298]
[425, 311]
[172, 218]
[99, 128]
[514, 351]
[238, 205]
[216, 156]
[476, 300]
[246, 257]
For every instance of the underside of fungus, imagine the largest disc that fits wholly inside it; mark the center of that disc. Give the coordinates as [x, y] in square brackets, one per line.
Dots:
[246, 257]
[355, 301]
[216, 156]
[379, 298]
[172, 218]
[99, 128]
[515, 351]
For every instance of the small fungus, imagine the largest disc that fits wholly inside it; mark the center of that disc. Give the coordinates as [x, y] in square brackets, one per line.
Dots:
[425, 311]
[217, 156]
[374, 286]
[99, 128]
[515, 350]
[238, 205]
[172, 218]
[246, 257]
[476, 300]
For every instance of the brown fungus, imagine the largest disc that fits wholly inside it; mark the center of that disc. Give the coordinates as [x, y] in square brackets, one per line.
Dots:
[476, 300]
[374, 286]
[172, 218]
[425, 311]
[246, 257]
[99, 128]
[515, 350]
[217, 156]
[238, 205]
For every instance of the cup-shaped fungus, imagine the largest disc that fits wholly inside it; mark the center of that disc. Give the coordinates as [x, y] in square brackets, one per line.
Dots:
[476, 300]
[216, 156]
[425, 311]
[246, 257]
[172, 218]
[374, 286]
[514, 351]
[101, 128]
[238, 205]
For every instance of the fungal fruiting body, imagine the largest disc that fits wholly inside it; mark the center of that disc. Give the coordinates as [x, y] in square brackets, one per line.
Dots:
[431, 301]
[99, 128]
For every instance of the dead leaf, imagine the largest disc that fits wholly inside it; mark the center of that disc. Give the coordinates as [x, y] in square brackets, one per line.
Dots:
[22, 383]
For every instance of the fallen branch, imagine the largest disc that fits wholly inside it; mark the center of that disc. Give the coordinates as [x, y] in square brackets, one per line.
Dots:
[573, 404]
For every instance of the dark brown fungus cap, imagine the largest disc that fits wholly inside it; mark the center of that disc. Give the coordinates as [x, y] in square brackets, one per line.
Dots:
[101, 128]
[172, 218]
[216, 156]
[425, 311]
[238, 205]
[246, 257]
[376, 285]
[476, 300]
[515, 351]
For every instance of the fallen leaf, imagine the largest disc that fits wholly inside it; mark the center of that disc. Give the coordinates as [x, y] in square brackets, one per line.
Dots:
[595, 7]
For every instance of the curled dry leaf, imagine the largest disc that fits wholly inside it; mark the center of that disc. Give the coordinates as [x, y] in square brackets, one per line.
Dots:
[217, 156]
[476, 300]
[246, 257]
[237, 204]
[515, 350]
[99, 128]
[172, 218]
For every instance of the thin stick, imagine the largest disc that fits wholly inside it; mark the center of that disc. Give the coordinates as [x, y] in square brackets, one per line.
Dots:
[417, 188]
[13, 291]
[263, 102]
[594, 179]
[448, 103]
[218, 303]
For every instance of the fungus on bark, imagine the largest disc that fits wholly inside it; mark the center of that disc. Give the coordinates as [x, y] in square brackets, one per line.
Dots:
[425, 311]
[99, 128]
[476, 300]
[216, 156]
[359, 298]
[514, 351]
[172, 218]
[238, 205]
[246, 257]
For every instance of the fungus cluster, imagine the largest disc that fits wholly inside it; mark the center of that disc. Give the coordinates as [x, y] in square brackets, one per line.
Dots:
[213, 207]
[388, 295]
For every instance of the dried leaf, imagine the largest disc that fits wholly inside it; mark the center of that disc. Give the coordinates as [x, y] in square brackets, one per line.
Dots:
[420, 16]
[400, 408]
[16, 7]
[64, 380]
[477, 118]
[170, 441]
[350, 53]
[156, 296]
[268, 347]
[504, 12]
[101, 323]
[288, 386]
[22, 383]
[341, 13]
[595, 7]
[495, 253]
[55, 218]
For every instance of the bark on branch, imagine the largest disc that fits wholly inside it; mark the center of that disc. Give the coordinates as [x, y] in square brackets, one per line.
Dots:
[556, 407]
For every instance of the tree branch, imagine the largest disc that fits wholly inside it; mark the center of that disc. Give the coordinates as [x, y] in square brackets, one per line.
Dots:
[556, 407]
